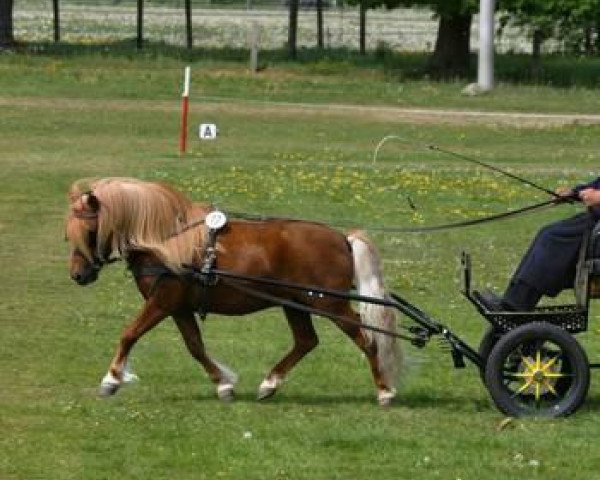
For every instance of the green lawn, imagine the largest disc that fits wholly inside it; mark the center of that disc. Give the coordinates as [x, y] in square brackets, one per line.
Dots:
[66, 118]
[115, 71]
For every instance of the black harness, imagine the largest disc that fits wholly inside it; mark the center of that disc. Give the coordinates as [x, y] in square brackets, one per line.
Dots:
[208, 278]
[205, 276]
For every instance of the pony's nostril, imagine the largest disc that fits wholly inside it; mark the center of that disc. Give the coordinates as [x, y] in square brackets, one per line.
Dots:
[76, 277]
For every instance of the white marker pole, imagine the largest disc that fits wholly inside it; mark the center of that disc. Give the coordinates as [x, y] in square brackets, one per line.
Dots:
[485, 67]
[185, 105]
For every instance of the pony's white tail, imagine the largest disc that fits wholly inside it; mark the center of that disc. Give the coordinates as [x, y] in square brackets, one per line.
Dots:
[368, 278]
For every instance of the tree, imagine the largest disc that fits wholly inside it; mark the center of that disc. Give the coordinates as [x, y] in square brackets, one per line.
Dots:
[451, 55]
[537, 18]
[575, 22]
[6, 23]
[580, 29]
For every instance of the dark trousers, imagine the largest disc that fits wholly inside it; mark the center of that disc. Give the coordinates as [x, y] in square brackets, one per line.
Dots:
[549, 265]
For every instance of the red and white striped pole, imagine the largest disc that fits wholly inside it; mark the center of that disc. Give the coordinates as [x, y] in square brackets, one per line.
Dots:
[185, 106]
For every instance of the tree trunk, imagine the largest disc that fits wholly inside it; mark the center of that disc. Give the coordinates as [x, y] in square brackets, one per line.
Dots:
[6, 23]
[536, 53]
[588, 44]
[363, 27]
[293, 28]
[451, 56]
[320, 23]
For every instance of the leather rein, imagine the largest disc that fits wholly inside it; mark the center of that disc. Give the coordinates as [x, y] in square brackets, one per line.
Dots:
[555, 200]
[421, 229]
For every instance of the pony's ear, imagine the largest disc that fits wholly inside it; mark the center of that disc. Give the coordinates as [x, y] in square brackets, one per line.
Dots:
[74, 193]
[78, 188]
[91, 201]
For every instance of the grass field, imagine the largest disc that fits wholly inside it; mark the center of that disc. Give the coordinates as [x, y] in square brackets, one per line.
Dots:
[63, 118]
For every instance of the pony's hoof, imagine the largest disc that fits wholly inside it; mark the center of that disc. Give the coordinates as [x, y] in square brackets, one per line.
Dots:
[268, 387]
[225, 393]
[385, 397]
[107, 389]
[108, 386]
[265, 392]
[130, 377]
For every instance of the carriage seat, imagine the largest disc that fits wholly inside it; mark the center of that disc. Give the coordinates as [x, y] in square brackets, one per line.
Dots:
[587, 280]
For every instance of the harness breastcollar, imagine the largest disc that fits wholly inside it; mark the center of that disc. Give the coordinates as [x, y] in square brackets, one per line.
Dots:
[214, 222]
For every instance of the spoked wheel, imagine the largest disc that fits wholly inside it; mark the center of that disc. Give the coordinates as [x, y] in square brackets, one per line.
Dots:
[537, 369]
[488, 342]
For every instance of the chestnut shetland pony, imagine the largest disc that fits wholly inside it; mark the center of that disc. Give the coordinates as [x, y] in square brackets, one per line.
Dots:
[152, 226]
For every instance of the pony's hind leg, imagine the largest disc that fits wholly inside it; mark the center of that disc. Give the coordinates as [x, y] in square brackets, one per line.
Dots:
[220, 375]
[380, 367]
[305, 339]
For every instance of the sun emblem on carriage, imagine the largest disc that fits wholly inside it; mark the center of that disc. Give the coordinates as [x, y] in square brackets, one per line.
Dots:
[215, 220]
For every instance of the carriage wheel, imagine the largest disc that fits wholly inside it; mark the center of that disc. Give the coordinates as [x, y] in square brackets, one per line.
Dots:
[488, 342]
[537, 369]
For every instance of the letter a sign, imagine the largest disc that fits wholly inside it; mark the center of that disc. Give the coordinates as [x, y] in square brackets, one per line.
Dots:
[208, 131]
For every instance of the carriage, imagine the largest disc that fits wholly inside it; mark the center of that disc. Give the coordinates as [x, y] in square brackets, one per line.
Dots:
[531, 362]
[188, 258]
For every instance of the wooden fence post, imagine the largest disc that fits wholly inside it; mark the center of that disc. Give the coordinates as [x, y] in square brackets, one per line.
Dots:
[188, 23]
[254, 40]
[140, 24]
[56, 13]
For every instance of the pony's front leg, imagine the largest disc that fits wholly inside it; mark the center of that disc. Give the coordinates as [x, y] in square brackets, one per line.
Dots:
[118, 374]
[110, 384]
[220, 375]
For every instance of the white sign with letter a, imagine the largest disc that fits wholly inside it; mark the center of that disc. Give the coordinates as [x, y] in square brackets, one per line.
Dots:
[207, 131]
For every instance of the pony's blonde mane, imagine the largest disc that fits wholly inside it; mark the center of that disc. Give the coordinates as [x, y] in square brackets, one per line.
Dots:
[148, 216]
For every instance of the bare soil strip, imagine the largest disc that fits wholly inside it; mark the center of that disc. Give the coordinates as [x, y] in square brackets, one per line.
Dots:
[374, 113]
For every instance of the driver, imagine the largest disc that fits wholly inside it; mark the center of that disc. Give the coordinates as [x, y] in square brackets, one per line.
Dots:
[549, 265]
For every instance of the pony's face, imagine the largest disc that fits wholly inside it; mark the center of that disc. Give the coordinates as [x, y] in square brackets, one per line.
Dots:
[82, 235]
